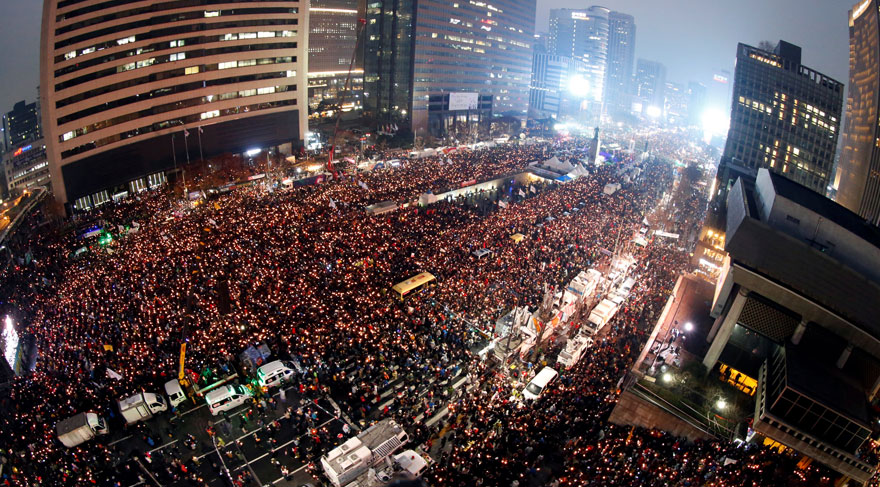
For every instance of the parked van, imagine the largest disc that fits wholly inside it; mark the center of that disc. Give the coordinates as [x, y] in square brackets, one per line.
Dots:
[275, 373]
[226, 397]
[174, 392]
[540, 382]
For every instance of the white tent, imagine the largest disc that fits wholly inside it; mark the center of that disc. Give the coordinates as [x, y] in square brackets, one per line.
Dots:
[427, 199]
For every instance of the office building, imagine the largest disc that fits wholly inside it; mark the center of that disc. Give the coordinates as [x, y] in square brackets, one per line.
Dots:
[583, 34]
[795, 311]
[25, 166]
[619, 69]
[696, 93]
[675, 103]
[858, 187]
[333, 30]
[432, 78]
[549, 96]
[129, 93]
[650, 89]
[22, 124]
[785, 117]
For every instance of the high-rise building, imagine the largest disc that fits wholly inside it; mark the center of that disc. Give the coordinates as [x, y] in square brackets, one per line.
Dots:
[333, 30]
[785, 117]
[858, 187]
[22, 124]
[621, 55]
[675, 107]
[25, 165]
[696, 93]
[426, 76]
[549, 96]
[130, 92]
[583, 34]
[650, 86]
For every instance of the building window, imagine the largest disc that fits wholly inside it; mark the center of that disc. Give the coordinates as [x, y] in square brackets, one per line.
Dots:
[792, 219]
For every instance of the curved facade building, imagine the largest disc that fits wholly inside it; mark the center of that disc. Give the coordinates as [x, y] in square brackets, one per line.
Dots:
[859, 169]
[131, 89]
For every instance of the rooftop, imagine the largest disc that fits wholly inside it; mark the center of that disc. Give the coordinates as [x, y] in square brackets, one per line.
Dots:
[826, 208]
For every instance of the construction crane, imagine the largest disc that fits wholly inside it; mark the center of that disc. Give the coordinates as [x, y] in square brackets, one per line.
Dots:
[361, 28]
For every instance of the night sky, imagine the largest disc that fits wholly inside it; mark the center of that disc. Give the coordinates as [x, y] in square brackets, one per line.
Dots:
[692, 38]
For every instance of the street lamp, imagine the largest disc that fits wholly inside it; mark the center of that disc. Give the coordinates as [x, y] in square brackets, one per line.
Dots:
[721, 404]
[667, 377]
[688, 326]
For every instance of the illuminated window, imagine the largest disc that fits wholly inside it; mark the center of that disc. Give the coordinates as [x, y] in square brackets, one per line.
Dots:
[247, 35]
[125, 40]
[211, 114]
[291, 73]
[227, 65]
[177, 56]
[70, 55]
[264, 34]
[191, 70]
[178, 43]
[212, 13]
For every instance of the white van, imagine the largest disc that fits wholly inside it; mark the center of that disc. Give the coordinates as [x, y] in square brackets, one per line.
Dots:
[174, 392]
[226, 397]
[539, 383]
[275, 373]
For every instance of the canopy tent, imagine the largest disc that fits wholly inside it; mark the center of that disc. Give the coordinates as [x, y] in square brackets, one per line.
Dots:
[428, 198]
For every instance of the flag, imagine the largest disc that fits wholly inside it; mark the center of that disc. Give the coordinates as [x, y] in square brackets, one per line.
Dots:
[113, 374]
[363, 185]
[108, 347]
[201, 131]
[395, 127]
[532, 189]
[185, 133]
[332, 204]
[522, 193]
[502, 204]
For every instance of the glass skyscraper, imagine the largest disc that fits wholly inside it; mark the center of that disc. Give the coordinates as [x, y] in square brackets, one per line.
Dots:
[619, 69]
[583, 34]
[859, 171]
[428, 62]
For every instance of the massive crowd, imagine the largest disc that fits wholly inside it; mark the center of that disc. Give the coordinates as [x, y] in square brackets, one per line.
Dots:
[309, 273]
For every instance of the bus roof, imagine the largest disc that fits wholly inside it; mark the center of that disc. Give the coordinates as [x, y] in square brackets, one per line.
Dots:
[404, 287]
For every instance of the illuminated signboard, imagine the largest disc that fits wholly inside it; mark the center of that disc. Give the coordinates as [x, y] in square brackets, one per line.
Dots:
[580, 16]
[719, 78]
[21, 150]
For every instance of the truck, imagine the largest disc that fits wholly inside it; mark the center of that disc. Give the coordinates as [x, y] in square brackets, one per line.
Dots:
[601, 315]
[141, 406]
[574, 350]
[353, 459]
[81, 428]
[406, 465]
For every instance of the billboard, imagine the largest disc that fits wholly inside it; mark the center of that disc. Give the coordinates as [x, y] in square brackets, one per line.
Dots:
[464, 101]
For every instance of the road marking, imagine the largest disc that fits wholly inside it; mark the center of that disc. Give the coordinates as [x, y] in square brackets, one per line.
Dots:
[163, 446]
[119, 440]
[264, 455]
[193, 409]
